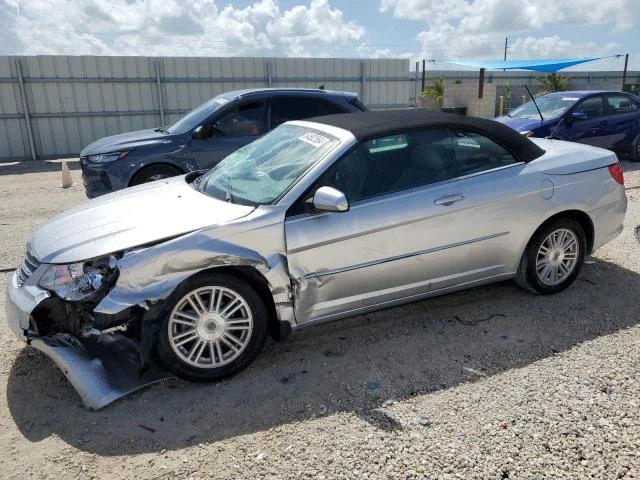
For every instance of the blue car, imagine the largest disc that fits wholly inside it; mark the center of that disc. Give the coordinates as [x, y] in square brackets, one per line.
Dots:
[202, 137]
[603, 119]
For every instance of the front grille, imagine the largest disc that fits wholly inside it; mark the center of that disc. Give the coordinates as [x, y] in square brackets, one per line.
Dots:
[27, 267]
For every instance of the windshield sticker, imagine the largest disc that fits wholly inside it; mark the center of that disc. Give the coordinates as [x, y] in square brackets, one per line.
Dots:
[314, 139]
[569, 98]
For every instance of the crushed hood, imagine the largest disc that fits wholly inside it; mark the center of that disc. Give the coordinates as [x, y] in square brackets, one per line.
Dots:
[129, 218]
[125, 141]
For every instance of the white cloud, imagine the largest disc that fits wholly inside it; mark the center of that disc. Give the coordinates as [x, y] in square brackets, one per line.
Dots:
[479, 15]
[477, 28]
[172, 27]
[370, 51]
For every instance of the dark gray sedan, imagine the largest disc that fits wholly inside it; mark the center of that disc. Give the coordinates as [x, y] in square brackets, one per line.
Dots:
[202, 137]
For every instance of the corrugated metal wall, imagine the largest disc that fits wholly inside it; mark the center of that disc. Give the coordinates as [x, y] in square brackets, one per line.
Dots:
[74, 100]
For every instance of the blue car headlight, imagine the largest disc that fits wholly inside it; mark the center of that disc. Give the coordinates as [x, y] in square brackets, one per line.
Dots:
[107, 157]
[78, 281]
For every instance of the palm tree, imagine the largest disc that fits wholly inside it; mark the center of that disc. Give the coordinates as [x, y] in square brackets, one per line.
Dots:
[552, 82]
[435, 91]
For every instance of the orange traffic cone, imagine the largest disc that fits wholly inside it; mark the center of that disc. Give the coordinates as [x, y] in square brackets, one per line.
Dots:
[67, 181]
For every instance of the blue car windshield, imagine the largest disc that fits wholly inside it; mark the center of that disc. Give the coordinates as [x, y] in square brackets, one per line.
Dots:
[551, 106]
[259, 173]
[197, 116]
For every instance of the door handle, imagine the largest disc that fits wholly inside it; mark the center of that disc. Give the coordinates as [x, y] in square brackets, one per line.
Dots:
[449, 199]
[604, 122]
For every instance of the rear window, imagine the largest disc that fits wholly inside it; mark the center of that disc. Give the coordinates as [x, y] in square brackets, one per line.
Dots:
[358, 104]
[620, 104]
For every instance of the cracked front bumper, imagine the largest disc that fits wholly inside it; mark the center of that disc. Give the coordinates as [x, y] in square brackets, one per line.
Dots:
[101, 368]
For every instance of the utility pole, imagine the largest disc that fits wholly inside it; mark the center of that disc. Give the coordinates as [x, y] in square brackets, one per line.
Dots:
[506, 46]
[624, 72]
[423, 73]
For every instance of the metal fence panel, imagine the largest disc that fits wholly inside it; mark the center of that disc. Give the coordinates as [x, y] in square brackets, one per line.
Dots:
[71, 101]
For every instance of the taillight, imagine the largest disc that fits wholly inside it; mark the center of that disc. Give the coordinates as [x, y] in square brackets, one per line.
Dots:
[616, 173]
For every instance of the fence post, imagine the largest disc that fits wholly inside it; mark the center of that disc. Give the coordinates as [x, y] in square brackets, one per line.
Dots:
[415, 84]
[363, 80]
[156, 65]
[25, 109]
[267, 67]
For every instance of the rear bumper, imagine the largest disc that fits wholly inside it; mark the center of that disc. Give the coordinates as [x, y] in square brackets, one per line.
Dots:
[608, 222]
[19, 303]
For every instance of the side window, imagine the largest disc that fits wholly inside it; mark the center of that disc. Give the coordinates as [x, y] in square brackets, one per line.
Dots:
[620, 104]
[391, 164]
[592, 106]
[475, 153]
[244, 120]
[298, 108]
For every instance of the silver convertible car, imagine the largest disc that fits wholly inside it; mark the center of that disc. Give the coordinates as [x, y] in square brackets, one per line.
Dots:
[316, 221]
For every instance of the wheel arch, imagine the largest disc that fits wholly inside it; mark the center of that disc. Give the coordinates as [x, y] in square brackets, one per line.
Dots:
[577, 215]
[146, 166]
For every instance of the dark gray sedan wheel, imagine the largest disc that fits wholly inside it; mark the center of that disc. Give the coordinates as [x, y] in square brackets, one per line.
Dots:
[153, 173]
[214, 326]
[553, 258]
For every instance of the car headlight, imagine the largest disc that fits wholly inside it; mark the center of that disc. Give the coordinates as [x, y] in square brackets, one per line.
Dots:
[107, 157]
[527, 133]
[79, 281]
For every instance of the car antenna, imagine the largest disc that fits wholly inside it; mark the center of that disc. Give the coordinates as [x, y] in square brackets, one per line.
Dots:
[534, 102]
[321, 87]
[553, 132]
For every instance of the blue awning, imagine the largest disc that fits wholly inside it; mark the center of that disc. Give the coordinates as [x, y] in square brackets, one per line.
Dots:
[549, 65]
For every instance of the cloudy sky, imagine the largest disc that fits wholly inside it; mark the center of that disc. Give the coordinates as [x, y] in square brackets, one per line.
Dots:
[433, 29]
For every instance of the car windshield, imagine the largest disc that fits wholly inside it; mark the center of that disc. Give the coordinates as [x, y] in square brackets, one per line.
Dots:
[195, 117]
[550, 106]
[259, 173]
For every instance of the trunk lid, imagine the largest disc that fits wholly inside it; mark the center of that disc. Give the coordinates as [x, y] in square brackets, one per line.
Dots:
[565, 158]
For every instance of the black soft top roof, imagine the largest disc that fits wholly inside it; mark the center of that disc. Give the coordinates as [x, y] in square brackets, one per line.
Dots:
[364, 125]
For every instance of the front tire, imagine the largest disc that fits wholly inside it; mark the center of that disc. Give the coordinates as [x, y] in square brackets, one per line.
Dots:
[153, 173]
[553, 258]
[214, 327]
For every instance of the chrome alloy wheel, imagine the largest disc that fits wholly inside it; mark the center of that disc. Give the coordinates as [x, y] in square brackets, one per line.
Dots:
[210, 327]
[557, 257]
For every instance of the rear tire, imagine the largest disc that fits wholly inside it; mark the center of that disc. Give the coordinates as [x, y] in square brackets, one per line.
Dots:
[214, 326]
[153, 173]
[553, 258]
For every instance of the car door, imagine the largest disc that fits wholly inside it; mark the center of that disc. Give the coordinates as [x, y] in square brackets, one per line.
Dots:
[285, 107]
[235, 127]
[412, 226]
[623, 121]
[592, 129]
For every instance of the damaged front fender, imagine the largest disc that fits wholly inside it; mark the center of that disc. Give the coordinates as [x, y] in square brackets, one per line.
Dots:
[151, 274]
[148, 276]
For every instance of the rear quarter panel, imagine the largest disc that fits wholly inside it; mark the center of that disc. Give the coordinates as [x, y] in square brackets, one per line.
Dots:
[593, 192]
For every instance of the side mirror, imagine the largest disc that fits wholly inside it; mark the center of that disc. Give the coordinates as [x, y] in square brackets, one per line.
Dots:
[201, 132]
[578, 116]
[328, 199]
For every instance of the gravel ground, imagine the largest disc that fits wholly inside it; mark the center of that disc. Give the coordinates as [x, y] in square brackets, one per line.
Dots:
[488, 383]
